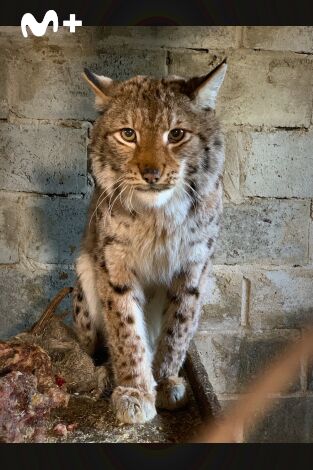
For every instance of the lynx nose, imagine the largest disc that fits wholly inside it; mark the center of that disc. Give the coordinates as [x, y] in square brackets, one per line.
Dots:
[151, 175]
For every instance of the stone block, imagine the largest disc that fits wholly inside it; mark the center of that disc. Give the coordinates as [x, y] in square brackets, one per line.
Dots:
[190, 37]
[54, 227]
[279, 38]
[43, 158]
[264, 232]
[290, 421]
[277, 164]
[25, 293]
[10, 212]
[232, 360]
[222, 302]
[281, 298]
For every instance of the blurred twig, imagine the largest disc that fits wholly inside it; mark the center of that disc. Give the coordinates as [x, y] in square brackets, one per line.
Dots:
[38, 327]
[255, 402]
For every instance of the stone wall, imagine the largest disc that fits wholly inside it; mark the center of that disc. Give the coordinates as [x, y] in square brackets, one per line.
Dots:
[263, 293]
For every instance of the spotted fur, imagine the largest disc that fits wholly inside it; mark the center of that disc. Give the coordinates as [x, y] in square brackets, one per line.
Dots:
[146, 251]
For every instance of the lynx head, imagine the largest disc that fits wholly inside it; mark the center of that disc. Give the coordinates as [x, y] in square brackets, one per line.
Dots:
[156, 138]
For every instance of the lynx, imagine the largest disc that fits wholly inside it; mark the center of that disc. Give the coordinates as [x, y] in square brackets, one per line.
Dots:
[157, 157]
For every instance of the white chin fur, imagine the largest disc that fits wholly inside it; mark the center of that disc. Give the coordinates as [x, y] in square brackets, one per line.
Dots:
[153, 198]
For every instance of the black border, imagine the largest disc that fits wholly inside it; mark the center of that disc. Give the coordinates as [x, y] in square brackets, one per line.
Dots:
[156, 457]
[161, 457]
[166, 12]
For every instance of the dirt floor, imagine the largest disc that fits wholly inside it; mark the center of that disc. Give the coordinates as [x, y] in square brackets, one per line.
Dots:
[96, 423]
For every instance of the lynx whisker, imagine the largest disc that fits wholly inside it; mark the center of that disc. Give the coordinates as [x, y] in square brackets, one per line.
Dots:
[116, 198]
[189, 197]
[98, 204]
[131, 202]
[196, 193]
[113, 192]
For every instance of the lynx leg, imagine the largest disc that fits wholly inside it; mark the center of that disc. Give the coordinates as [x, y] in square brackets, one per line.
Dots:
[180, 323]
[134, 396]
[87, 307]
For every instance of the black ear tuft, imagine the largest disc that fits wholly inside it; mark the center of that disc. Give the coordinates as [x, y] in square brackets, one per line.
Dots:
[91, 76]
[100, 85]
[88, 73]
[204, 89]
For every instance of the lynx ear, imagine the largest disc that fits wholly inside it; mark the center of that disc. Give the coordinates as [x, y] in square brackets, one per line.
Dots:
[205, 89]
[100, 86]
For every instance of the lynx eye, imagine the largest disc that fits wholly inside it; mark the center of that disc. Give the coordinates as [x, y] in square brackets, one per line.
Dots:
[128, 134]
[175, 135]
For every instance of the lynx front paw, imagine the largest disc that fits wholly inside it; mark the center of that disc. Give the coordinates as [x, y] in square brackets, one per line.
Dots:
[172, 393]
[132, 405]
